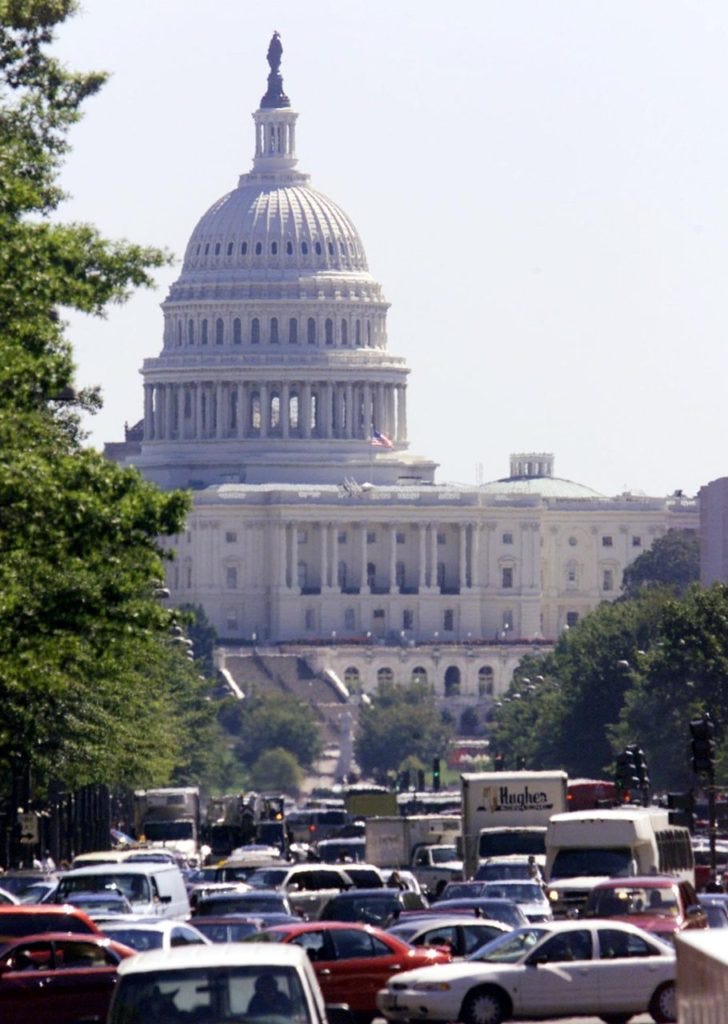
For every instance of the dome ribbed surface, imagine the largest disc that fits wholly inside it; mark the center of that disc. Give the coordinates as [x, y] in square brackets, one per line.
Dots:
[281, 227]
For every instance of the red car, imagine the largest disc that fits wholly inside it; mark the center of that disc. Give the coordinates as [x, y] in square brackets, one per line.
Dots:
[32, 919]
[58, 977]
[353, 961]
[658, 903]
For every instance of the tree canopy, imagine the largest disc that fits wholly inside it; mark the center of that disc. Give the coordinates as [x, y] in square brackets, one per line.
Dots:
[673, 561]
[400, 722]
[264, 721]
[92, 688]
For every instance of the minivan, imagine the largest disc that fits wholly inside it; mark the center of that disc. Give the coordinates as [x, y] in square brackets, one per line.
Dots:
[151, 888]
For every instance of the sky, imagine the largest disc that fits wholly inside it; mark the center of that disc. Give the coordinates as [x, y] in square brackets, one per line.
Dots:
[541, 187]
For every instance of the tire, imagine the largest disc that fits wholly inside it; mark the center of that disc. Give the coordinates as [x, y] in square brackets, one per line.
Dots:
[616, 1018]
[663, 1005]
[483, 1006]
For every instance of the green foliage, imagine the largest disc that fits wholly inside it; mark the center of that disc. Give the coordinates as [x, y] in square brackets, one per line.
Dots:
[261, 722]
[559, 709]
[683, 673]
[91, 687]
[401, 721]
[673, 561]
[278, 770]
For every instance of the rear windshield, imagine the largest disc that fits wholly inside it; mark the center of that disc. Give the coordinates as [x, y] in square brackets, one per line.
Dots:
[14, 925]
[135, 887]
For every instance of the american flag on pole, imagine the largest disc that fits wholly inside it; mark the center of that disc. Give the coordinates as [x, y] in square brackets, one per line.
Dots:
[380, 440]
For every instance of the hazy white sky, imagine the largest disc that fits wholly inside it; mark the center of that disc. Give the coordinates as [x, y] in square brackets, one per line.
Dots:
[541, 187]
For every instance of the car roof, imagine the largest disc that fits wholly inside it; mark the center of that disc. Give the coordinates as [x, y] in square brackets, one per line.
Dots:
[448, 920]
[123, 867]
[225, 954]
[356, 894]
[296, 928]
[643, 881]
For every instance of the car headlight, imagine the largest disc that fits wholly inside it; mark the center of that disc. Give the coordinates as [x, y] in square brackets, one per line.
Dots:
[431, 986]
[553, 895]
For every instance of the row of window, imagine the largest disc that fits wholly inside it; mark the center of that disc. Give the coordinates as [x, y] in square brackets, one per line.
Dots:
[451, 679]
[273, 331]
[275, 248]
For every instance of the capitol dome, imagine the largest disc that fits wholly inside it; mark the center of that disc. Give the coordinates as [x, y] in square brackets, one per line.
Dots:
[532, 475]
[274, 365]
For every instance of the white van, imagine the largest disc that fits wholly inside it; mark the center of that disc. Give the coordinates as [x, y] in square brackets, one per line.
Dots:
[152, 888]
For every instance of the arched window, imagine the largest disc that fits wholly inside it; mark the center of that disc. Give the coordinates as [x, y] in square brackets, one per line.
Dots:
[352, 679]
[419, 675]
[311, 331]
[317, 247]
[331, 248]
[204, 332]
[385, 675]
[274, 248]
[274, 330]
[243, 248]
[369, 333]
[289, 248]
[329, 332]
[452, 681]
[190, 332]
[255, 411]
[219, 331]
[304, 248]
[485, 681]
[237, 331]
[293, 411]
[255, 331]
[258, 248]
[217, 248]
[230, 249]
[292, 331]
[275, 411]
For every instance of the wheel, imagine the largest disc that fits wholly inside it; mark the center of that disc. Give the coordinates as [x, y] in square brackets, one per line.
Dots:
[663, 1005]
[616, 1018]
[483, 1006]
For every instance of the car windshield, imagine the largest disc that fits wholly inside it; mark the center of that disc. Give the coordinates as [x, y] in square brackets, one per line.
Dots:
[443, 854]
[496, 872]
[140, 939]
[268, 995]
[632, 900]
[267, 878]
[510, 947]
[502, 844]
[134, 886]
[520, 892]
[584, 862]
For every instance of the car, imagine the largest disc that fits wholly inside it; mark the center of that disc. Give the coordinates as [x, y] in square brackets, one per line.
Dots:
[27, 919]
[58, 977]
[371, 906]
[229, 927]
[100, 906]
[462, 934]
[221, 983]
[505, 911]
[9, 899]
[715, 905]
[365, 876]
[352, 961]
[154, 934]
[308, 886]
[18, 882]
[529, 895]
[607, 969]
[461, 890]
[495, 869]
[251, 903]
[658, 903]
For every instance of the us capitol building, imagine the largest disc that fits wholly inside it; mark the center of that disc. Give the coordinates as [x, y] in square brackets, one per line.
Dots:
[314, 531]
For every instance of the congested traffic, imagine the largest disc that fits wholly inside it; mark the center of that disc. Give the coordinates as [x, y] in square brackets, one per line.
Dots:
[347, 914]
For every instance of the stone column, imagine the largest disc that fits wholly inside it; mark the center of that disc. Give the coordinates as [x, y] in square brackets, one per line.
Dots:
[327, 408]
[401, 413]
[219, 415]
[422, 582]
[463, 567]
[364, 585]
[197, 399]
[475, 555]
[242, 410]
[264, 411]
[349, 428]
[306, 410]
[379, 417]
[392, 558]
[324, 532]
[172, 402]
[285, 409]
[148, 412]
[433, 555]
[294, 557]
[366, 425]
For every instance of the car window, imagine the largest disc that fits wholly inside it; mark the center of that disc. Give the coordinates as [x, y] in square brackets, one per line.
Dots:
[614, 944]
[444, 936]
[75, 954]
[475, 936]
[315, 944]
[349, 944]
[566, 947]
[33, 956]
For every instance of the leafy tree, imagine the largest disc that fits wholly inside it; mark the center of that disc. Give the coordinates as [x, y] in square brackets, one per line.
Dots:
[261, 722]
[90, 685]
[673, 561]
[276, 769]
[558, 711]
[682, 674]
[401, 721]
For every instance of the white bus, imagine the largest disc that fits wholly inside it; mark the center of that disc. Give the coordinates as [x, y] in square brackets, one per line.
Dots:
[584, 848]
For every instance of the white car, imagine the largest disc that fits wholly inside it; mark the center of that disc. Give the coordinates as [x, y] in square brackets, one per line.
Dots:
[155, 934]
[556, 969]
[228, 982]
[529, 896]
[462, 935]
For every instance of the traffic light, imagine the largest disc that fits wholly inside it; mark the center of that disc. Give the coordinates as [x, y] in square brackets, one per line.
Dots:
[421, 779]
[436, 774]
[703, 745]
[681, 809]
[499, 763]
[626, 776]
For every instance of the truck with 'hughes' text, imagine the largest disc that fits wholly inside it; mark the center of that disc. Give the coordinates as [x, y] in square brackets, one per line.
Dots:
[507, 813]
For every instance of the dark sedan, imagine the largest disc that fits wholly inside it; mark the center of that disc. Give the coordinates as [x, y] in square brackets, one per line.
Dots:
[371, 906]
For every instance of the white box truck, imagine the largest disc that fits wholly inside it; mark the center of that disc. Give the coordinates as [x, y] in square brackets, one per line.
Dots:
[425, 844]
[507, 813]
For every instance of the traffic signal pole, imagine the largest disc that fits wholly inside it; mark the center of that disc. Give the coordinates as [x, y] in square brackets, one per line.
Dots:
[703, 758]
